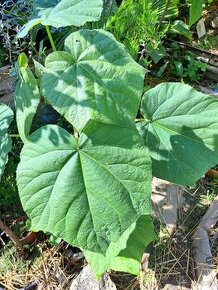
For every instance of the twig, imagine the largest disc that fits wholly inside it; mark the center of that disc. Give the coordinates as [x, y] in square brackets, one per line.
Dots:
[202, 251]
[13, 237]
[197, 49]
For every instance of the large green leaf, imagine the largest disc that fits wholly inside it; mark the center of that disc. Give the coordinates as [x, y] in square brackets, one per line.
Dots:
[180, 129]
[195, 11]
[85, 193]
[6, 117]
[27, 98]
[126, 254]
[63, 13]
[95, 78]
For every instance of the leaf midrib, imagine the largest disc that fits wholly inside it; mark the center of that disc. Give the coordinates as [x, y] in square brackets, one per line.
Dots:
[175, 132]
[111, 173]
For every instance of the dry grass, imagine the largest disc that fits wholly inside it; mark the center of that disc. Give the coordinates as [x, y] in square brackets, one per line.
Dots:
[53, 270]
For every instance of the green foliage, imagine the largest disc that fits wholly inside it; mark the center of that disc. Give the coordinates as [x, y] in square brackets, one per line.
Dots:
[54, 241]
[93, 181]
[91, 69]
[6, 117]
[181, 28]
[136, 22]
[91, 185]
[63, 13]
[195, 10]
[180, 129]
[124, 255]
[192, 69]
[146, 23]
[8, 188]
[208, 42]
[13, 14]
[88, 211]
[181, 64]
[22, 60]
[27, 98]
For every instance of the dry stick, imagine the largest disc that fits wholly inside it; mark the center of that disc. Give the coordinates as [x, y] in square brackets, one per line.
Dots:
[205, 272]
[196, 49]
[13, 237]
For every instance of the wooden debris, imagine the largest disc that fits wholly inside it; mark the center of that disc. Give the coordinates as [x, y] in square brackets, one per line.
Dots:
[13, 238]
[214, 22]
[207, 91]
[213, 61]
[205, 271]
[167, 199]
[212, 72]
[201, 28]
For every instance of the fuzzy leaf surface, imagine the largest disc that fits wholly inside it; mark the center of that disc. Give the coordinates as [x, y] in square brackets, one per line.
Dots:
[27, 98]
[180, 129]
[63, 13]
[6, 117]
[126, 254]
[86, 191]
[94, 78]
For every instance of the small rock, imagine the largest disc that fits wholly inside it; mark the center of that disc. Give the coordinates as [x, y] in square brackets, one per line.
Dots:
[214, 23]
[86, 280]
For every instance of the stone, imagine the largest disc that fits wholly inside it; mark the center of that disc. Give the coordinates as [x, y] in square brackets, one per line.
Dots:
[86, 280]
[214, 22]
[167, 200]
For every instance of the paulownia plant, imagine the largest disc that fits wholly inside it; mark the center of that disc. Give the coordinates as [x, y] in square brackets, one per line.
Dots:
[91, 185]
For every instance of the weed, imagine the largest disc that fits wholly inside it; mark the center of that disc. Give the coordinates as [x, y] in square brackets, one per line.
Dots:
[8, 188]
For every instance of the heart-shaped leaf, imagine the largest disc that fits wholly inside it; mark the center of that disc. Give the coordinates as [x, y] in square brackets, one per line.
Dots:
[126, 254]
[87, 194]
[27, 98]
[63, 13]
[95, 78]
[180, 128]
[6, 117]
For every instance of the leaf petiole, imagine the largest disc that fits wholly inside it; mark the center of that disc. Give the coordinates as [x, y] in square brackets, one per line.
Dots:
[14, 135]
[50, 38]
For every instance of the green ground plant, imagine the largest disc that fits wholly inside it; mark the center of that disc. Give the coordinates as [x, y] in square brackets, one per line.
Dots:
[13, 15]
[181, 64]
[91, 185]
[8, 188]
[140, 22]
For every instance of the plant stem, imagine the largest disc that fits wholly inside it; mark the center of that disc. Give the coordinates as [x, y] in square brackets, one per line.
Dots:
[13, 237]
[50, 38]
[143, 120]
[14, 135]
[163, 15]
